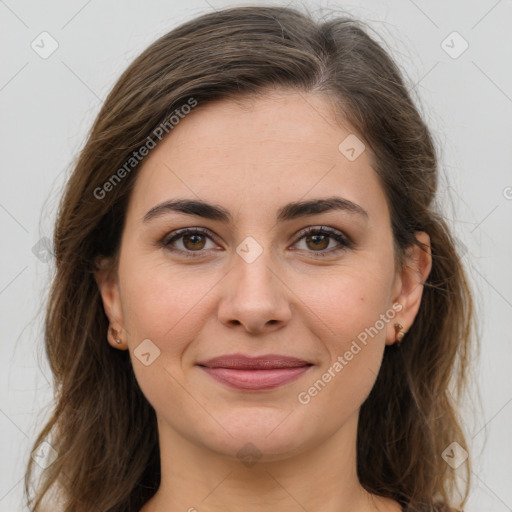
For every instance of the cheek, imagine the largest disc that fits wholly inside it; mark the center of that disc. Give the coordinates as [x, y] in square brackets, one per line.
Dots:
[353, 304]
[349, 298]
[354, 342]
[164, 306]
[162, 303]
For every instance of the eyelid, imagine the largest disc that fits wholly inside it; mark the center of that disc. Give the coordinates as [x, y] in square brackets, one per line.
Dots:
[185, 231]
[323, 230]
[174, 235]
[344, 241]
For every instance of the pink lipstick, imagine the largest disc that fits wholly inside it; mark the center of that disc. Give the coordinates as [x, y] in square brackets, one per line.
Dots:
[255, 373]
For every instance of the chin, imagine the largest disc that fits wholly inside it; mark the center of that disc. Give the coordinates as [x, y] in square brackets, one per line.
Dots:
[262, 435]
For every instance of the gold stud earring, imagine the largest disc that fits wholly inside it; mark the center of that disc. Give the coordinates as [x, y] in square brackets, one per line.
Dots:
[400, 333]
[114, 335]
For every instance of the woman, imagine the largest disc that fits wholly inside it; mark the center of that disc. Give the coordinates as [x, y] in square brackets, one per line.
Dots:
[256, 306]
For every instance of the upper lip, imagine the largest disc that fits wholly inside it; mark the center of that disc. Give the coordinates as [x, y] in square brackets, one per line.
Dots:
[244, 362]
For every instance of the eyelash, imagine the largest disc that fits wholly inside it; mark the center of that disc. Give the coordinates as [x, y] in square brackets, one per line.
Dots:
[342, 239]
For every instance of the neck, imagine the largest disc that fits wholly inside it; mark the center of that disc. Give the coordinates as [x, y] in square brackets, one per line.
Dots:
[320, 478]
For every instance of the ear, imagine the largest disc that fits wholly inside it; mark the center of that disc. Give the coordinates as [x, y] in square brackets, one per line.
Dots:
[408, 288]
[108, 283]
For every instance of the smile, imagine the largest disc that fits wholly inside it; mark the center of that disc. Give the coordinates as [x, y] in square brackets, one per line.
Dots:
[255, 373]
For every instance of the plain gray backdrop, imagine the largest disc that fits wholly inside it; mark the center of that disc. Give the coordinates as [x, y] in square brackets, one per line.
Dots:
[463, 83]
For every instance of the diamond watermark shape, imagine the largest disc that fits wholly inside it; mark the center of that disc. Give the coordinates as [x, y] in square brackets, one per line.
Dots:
[249, 454]
[44, 455]
[146, 352]
[43, 249]
[351, 147]
[454, 45]
[44, 45]
[249, 249]
[454, 455]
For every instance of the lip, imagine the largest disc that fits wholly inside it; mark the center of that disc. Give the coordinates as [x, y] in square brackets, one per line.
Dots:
[255, 373]
[264, 362]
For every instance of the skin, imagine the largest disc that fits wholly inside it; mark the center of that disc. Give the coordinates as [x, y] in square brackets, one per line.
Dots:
[252, 160]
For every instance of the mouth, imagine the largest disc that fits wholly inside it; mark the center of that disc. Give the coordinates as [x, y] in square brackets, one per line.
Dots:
[255, 373]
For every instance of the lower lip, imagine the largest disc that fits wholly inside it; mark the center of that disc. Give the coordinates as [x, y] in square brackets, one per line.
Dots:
[255, 379]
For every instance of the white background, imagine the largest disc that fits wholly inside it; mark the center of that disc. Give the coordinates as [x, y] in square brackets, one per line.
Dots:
[47, 106]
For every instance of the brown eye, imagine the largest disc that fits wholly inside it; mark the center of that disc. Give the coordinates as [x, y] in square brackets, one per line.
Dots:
[188, 242]
[317, 241]
[193, 242]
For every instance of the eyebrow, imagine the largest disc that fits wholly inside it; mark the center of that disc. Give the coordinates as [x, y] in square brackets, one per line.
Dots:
[288, 212]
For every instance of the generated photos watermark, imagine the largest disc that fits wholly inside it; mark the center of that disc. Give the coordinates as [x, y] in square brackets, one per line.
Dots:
[137, 156]
[304, 397]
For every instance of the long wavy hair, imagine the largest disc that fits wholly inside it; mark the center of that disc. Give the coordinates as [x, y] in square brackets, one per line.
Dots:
[102, 427]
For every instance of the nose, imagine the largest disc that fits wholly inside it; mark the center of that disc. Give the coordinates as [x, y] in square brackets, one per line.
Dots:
[254, 296]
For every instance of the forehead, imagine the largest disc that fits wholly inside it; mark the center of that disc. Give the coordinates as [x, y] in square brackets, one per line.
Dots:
[254, 153]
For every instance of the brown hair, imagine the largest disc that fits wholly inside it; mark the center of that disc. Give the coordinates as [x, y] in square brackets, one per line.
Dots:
[102, 427]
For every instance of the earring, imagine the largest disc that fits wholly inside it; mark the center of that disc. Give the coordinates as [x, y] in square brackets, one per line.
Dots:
[114, 335]
[400, 334]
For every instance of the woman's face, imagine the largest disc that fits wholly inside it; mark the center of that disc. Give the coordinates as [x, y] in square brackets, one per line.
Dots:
[252, 282]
